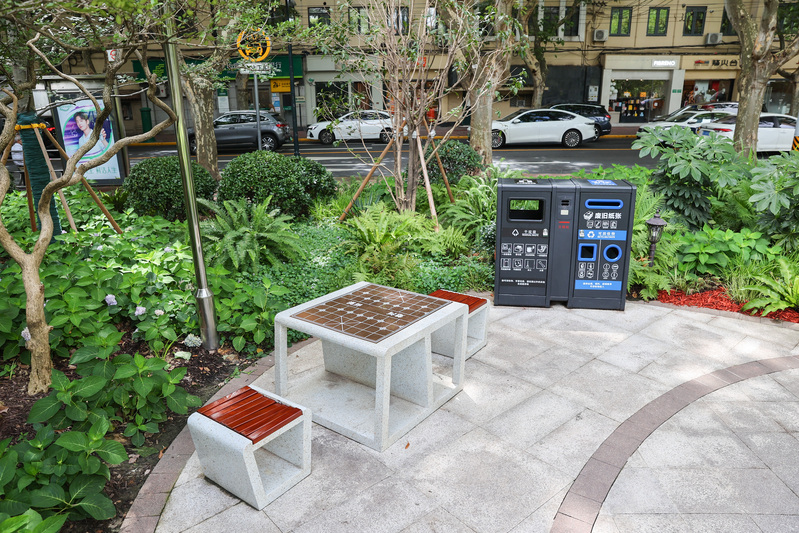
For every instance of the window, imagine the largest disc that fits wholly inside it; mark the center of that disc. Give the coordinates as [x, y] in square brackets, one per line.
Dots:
[318, 15]
[694, 20]
[787, 123]
[571, 28]
[400, 21]
[726, 25]
[549, 19]
[620, 19]
[658, 23]
[224, 120]
[359, 19]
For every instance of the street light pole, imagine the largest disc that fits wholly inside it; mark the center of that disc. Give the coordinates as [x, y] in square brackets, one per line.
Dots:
[291, 90]
[203, 296]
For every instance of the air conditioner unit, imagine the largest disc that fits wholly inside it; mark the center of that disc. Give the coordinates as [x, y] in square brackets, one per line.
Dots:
[600, 36]
[160, 90]
[713, 38]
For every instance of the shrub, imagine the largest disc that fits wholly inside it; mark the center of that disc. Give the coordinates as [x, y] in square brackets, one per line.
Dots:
[154, 187]
[244, 234]
[776, 198]
[458, 159]
[294, 183]
[475, 202]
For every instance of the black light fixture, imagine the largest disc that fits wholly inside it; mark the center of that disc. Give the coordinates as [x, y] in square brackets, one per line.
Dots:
[656, 225]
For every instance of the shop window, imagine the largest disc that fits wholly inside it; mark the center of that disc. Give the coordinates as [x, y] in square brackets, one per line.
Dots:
[620, 21]
[726, 25]
[694, 20]
[658, 23]
[318, 15]
[359, 20]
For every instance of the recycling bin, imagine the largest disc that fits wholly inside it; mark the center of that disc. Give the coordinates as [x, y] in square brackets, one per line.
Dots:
[563, 241]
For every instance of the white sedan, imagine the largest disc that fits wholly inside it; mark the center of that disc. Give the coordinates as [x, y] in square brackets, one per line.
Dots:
[542, 126]
[369, 124]
[688, 119]
[774, 134]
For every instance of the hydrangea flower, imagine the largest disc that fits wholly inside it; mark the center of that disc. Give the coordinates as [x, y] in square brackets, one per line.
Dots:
[139, 310]
[169, 249]
[159, 312]
[111, 299]
[26, 334]
[192, 341]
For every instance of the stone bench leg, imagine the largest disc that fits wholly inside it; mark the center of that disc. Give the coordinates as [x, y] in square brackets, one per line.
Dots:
[443, 340]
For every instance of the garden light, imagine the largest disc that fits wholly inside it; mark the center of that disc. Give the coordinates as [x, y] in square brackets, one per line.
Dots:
[656, 225]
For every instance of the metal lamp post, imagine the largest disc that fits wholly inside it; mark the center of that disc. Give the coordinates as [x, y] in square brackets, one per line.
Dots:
[203, 296]
[656, 225]
[290, 4]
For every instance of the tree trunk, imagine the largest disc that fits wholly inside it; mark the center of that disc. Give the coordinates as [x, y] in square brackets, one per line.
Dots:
[408, 202]
[200, 94]
[482, 116]
[243, 91]
[754, 77]
[38, 345]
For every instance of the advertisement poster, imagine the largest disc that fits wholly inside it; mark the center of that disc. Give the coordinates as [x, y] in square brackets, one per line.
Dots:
[76, 122]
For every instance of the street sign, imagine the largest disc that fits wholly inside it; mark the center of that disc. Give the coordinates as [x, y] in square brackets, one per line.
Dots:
[280, 86]
[263, 69]
[253, 45]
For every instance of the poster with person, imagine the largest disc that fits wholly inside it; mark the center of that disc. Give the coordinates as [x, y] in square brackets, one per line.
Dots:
[76, 123]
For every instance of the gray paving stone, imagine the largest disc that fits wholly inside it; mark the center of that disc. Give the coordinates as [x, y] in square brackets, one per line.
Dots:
[509, 349]
[488, 392]
[551, 366]
[386, 507]
[745, 417]
[788, 379]
[605, 524]
[784, 337]
[714, 523]
[608, 390]
[438, 521]
[638, 491]
[694, 335]
[203, 498]
[240, 517]
[635, 316]
[541, 519]
[651, 523]
[569, 446]
[754, 491]
[777, 523]
[341, 470]
[635, 353]
[774, 449]
[488, 484]
[533, 419]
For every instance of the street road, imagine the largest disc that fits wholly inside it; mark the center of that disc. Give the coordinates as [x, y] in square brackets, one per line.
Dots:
[534, 159]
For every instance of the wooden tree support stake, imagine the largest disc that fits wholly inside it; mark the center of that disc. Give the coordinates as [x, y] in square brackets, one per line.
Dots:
[440, 164]
[427, 181]
[53, 178]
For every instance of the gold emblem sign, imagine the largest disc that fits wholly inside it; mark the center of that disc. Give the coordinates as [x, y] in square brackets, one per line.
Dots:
[253, 45]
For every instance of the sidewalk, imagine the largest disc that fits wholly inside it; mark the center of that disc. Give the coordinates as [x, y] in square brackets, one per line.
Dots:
[657, 419]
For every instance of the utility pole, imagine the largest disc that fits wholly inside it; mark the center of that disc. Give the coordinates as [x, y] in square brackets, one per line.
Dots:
[290, 4]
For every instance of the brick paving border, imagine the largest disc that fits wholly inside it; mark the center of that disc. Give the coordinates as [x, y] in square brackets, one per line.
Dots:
[581, 505]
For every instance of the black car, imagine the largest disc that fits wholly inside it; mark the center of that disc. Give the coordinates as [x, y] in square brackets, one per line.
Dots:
[595, 112]
[236, 129]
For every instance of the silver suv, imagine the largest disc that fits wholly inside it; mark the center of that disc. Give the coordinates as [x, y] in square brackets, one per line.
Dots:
[237, 129]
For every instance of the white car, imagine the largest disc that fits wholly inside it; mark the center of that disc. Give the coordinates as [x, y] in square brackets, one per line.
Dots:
[688, 119]
[775, 132]
[542, 126]
[369, 124]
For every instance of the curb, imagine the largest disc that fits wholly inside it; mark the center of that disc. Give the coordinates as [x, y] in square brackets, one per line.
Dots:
[302, 139]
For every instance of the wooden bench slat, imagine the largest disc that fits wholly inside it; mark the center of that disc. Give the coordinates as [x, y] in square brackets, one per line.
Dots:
[473, 302]
[250, 414]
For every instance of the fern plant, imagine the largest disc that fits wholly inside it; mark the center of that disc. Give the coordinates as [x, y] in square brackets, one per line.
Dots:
[777, 294]
[476, 202]
[244, 235]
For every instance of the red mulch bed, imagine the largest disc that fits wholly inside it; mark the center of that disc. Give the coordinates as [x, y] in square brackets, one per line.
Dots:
[718, 299]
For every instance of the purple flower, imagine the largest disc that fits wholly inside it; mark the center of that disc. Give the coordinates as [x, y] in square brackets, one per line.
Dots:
[159, 312]
[111, 299]
[140, 310]
[26, 334]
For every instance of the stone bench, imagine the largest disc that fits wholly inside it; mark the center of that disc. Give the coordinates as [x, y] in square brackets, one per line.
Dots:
[253, 443]
[476, 325]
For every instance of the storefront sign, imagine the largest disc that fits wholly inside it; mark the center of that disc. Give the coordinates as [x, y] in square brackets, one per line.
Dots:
[664, 63]
[731, 63]
[281, 86]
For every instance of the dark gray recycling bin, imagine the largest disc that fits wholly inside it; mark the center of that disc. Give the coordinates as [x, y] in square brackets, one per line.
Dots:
[563, 241]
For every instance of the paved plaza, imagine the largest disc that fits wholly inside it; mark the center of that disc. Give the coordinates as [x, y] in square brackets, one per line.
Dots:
[654, 419]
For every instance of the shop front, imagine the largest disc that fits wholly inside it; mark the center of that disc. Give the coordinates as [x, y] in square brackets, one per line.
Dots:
[638, 88]
[710, 78]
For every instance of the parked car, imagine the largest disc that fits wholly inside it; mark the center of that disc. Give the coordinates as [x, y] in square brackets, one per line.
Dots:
[542, 125]
[237, 129]
[368, 124]
[775, 131]
[595, 112]
[687, 119]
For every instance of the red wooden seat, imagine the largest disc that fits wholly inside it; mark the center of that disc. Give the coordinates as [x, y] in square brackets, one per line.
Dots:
[250, 414]
[473, 302]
